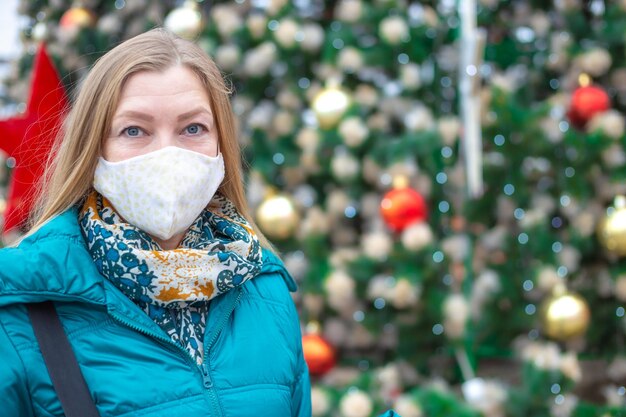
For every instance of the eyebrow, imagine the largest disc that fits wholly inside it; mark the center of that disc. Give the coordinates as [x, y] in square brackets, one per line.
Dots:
[194, 112]
[144, 116]
[134, 115]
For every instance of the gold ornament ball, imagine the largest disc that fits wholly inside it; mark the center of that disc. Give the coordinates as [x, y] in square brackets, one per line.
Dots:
[76, 18]
[612, 229]
[278, 217]
[564, 315]
[330, 105]
[185, 21]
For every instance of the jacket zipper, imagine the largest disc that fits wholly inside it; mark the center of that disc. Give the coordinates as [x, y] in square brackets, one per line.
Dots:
[205, 369]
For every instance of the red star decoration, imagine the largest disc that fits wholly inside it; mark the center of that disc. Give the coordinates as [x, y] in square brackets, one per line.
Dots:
[29, 137]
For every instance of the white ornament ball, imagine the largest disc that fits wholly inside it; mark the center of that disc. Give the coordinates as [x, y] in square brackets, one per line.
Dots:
[350, 59]
[258, 61]
[550, 126]
[336, 202]
[275, 6]
[419, 119]
[541, 23]
[343, 257]
[570, 366]
[410, 76]
[339, 288]
[349, 11]
[289, 100]
[569, 257]
[456, 247]
[379, 121]
[449, 128]
[366, 95]
[380, 286]
[405, 294]
[614, 156]
[312, 37]
[308, 139]
[610, 122]
[487, 283]
[344, 166]
[227, 20]
[542, 355]
[487, 396]
[315, 223]
[257, 25]
[185, 21]
[285, 35]
[377, 245]
[389, 377]
[356, 403]
[417, 236]
[320, 403]
[406, 406]
[548, 278]
[595, 62]
[353, 131]
[430, 17]
[110, 23]
[456, 312]
[283, 123]
[394, 29]
[228, 57]
[261, 116]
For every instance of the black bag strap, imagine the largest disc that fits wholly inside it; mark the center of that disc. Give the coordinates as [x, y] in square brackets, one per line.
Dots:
[60, 360]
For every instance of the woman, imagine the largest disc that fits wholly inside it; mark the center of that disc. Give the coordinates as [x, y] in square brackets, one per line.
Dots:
[172, 301]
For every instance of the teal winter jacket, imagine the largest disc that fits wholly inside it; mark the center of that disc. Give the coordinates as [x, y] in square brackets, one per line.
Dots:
[253, 362]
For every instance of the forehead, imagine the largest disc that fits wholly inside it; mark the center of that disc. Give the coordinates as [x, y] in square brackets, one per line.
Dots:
[171, 82]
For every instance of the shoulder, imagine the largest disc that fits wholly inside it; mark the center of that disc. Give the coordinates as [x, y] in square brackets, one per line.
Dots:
[274, 283]
[50, 263]
[60, 233]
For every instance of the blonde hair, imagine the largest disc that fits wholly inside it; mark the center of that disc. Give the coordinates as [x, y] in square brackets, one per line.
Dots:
[69, 175]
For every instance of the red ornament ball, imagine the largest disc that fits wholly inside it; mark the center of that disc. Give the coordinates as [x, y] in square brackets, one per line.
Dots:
[402, 207]
[587, 102]
[318, 354]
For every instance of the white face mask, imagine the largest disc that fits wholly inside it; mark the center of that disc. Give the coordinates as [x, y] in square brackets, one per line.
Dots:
[160, 192]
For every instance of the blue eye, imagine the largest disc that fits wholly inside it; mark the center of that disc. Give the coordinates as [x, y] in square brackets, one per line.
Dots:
[194, 129]
[132, 131]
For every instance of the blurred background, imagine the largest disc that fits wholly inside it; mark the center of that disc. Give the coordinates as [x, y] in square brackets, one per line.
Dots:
[444, 180]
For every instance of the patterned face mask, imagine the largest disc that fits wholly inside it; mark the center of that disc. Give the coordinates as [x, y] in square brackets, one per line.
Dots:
[160, 192]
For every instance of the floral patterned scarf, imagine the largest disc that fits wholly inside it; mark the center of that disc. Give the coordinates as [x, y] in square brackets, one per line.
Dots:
[219, 252]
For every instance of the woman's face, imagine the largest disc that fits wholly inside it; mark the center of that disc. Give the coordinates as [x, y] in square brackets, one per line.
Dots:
[159, 109]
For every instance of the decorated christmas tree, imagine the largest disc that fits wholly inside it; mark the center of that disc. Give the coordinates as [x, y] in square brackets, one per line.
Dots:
[444, 180]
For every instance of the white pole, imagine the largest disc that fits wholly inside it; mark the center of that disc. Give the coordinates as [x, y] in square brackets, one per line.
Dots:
[472, 47]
